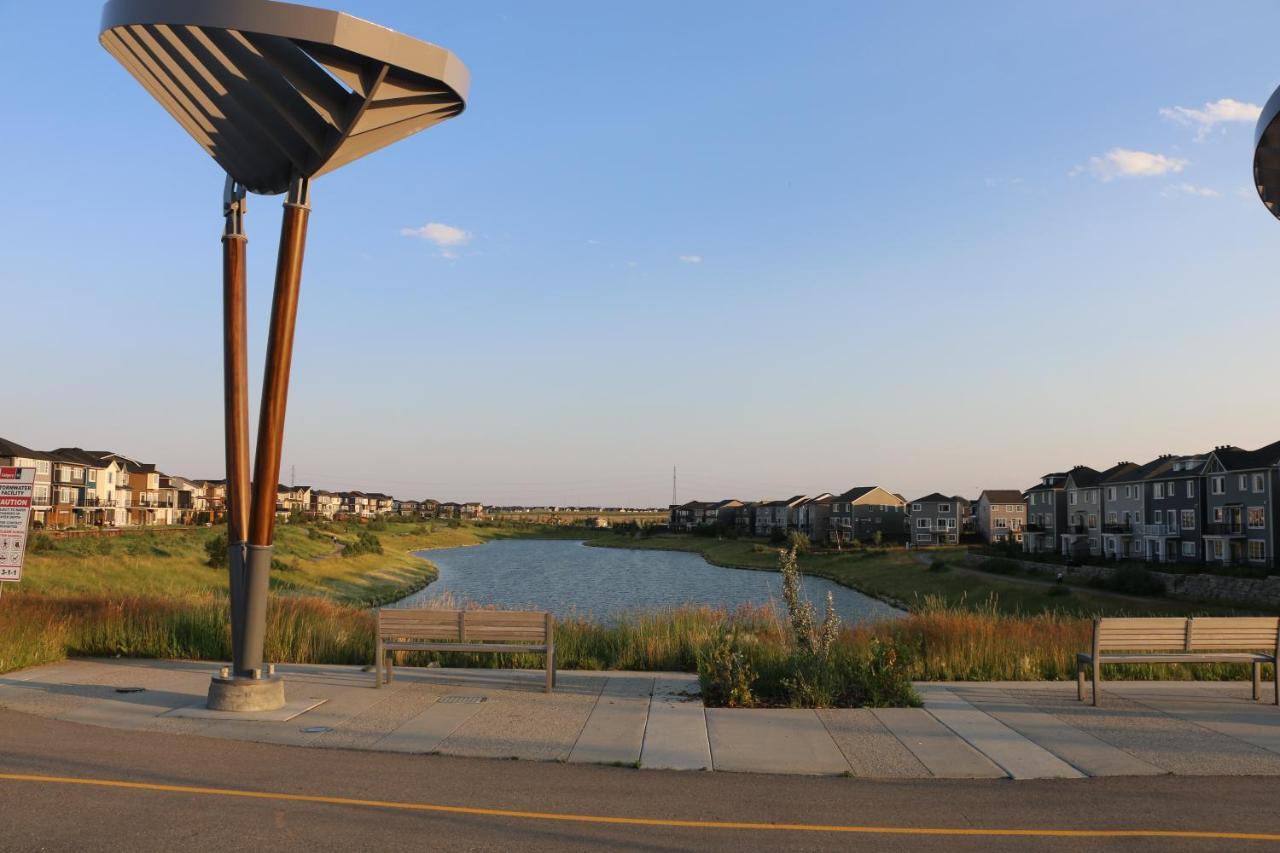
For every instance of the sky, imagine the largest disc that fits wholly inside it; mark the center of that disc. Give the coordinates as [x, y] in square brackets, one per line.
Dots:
[910, 244]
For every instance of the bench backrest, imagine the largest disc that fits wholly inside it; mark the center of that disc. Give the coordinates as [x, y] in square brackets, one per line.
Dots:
[1180, 634]
[1240, 633]
[465, 626]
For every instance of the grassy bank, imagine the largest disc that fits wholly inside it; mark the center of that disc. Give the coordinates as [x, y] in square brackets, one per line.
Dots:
[936, 642]
[896, 576]
[309, 557]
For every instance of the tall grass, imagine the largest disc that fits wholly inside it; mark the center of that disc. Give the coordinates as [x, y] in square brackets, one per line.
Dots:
[937, 641]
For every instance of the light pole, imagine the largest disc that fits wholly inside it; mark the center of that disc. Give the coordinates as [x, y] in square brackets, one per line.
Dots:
[277, 94]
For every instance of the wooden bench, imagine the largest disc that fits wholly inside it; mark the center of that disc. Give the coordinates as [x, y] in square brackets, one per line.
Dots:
[428, 630]
[1209, 639]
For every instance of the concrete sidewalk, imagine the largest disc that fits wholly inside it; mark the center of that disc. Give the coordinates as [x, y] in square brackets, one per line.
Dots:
[1023, 730]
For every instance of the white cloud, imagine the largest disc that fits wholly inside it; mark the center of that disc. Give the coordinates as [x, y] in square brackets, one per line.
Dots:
[1189, 189]
[447, 237]
[691, 259]
[1213, 113]
[1126, 163]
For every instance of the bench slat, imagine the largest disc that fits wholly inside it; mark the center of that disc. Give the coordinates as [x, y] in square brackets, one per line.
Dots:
[1185, 657]
[410, 646]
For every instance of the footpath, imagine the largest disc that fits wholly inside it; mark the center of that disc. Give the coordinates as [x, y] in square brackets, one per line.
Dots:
[1019, 730]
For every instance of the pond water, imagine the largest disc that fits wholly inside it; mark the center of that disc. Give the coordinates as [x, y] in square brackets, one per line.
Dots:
[568, 577]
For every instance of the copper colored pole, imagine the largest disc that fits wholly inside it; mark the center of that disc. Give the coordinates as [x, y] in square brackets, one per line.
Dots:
[235, 383]
[275, 382]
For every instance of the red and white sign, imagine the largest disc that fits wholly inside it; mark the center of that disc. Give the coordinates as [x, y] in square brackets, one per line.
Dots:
[16, 486]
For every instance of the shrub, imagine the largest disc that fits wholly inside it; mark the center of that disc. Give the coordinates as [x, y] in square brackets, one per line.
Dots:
[806, 634]
[216, 549]
[42, 543]
[1134, 580]
[877, 538]
[1001, 566]
[725, 674]
[798, 542]
[366, 543]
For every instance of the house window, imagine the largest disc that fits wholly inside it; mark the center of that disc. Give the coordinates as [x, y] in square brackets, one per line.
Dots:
[1093, 520]
[1257, 520]
[42, 466]
[1218, 485]
[923, 523]
[1259, 483]
[915, 507]
[40, 495]
[1072, 498]
[1216, 544]
[1093, 544]
[944, 507]
[1188, 519]
[1111, 493]
[1159, 490]
[1243, 480]
[1257, 550]
[1128, 491]
[1217, 515]
[1191, 488]
[1001, 523]
[1111, 517]
[1188, 549]
[923, 537]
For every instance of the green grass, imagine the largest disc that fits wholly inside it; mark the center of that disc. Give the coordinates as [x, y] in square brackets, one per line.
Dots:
[894, 575]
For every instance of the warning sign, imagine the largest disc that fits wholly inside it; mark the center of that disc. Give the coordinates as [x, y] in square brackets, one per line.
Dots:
[16, 486]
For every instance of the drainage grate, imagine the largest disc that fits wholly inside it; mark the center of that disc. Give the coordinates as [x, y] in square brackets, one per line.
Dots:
[316, 730]
[461, 700]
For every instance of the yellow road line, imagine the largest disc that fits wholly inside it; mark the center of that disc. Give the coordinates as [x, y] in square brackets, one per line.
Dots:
[643, 821]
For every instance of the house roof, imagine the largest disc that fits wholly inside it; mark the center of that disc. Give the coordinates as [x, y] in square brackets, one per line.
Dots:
[726, 503]
[934, 497]
[1002, 496]
[12, 448]
[78, 456]
[791, 501]
[1235, 459]
[1083, 475]
[857, 492]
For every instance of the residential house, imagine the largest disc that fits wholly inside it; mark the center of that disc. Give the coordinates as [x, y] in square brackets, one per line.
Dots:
[860, 512]
[430, 508]
[744, 518]
[935, 520]
[1127, 501]
[211, 501]
[723, 515]
[472, 510]
[358, 505]
[1176, 507]
[448, 509]
[1046, 514]
[968, 519]
[410, 509]
[324, 504]
[1082, 535]
[1240, 505]
[292, 499]
[13, 454]
[776, 516]
[103, 492]
[689, 516]
[812, 513]
[1001, 515]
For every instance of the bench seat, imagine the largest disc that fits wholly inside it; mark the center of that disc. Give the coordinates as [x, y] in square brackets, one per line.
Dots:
[1182, 657]
[431, 630]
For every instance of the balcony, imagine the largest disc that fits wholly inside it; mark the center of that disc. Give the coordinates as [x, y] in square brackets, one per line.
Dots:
[1160, 530]
[1122, 528]
[98, 502]
[1075, 530]
[1224, 528]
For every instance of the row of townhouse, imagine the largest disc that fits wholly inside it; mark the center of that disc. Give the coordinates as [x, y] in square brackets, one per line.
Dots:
[1217, 507]
[83, 488]
[857, 514]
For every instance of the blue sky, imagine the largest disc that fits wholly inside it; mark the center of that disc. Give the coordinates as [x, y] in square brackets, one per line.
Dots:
[910, 244]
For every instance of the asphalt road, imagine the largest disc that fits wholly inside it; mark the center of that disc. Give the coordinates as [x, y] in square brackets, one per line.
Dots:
[236, 796]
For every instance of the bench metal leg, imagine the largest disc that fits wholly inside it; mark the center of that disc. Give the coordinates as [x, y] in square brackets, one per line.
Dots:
[391, 656]
[1079, 680]
[551, 669]
[1097, 681]
[1257, 681]
[377, 664]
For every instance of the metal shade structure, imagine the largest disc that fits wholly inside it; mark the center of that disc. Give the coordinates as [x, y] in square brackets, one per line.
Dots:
[277, 94]
[1266, 154]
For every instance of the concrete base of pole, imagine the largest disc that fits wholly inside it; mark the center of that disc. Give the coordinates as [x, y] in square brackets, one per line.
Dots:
[246, 694]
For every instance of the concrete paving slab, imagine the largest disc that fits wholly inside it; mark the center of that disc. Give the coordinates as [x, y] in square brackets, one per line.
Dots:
[1239, 717]
[426, 731]
[938, 748]
[787, 740]
[1170, 743]
[871, 750]
[1020, 757]
[614, 733]
[676, 735]
[291, 709]
[535, 727]
[1090, 755]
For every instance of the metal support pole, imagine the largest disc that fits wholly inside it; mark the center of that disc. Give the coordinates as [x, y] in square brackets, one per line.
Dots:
[275, 392]
[235, 382]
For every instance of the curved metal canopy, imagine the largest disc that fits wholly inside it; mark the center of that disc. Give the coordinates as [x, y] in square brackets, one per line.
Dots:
[1266, 154]
[274, 91]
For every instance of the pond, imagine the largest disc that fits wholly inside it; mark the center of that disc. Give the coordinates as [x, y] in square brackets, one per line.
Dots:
[568, 578]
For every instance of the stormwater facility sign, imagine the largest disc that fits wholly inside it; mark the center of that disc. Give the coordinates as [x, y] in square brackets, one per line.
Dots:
[16, 485]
